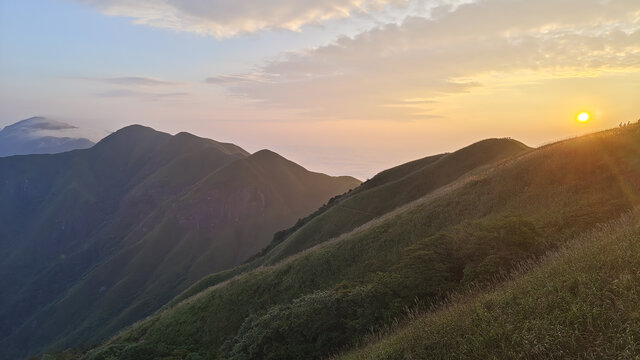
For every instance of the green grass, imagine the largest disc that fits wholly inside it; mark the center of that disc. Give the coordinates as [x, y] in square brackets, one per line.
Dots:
[391, 189]
[369, 275]
[581, 302]
[386, 191]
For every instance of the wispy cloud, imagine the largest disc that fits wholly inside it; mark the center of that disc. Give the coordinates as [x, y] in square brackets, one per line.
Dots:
[124, 93]
[137, 87]
[237, 79]
[227, 18]
[129, 81]
[138, 81]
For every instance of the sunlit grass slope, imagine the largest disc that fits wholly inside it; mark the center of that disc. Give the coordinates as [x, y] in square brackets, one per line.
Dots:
[581, 302]
[330, 297]
[391, 189]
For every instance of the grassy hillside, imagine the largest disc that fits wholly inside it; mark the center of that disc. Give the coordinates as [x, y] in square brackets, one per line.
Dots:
[115, 231]
[386, 191]
[580, 302]
[331, 296]
[391, 189]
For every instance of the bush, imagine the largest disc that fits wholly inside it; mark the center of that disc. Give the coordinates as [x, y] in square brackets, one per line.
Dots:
[489, 247]
[305, 328]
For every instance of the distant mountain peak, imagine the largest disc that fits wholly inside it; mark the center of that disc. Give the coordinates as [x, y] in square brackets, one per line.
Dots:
[269, 157]
[148, 137]
[186, 135]
[497, 146]
[267, 154]
[40, 135]
[134, 129]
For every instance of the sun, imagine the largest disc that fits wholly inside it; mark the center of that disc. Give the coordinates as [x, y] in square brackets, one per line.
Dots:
[583, 117]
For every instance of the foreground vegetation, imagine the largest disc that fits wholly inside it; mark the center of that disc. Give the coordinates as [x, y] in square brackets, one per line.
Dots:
[581, 302]
[470, 231]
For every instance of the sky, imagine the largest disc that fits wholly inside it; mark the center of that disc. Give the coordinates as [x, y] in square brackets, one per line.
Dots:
[345, 87]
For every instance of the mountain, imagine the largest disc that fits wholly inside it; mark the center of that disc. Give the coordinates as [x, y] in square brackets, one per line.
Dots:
[391, 189]
[93, 240]
[38, 135]
[462, 234]
[385, 192]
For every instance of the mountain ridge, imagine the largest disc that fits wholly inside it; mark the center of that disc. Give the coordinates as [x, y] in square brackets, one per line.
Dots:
[459, 235]
[136, 179]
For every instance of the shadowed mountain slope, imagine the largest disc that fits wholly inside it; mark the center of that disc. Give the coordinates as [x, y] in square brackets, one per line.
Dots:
[115, 231]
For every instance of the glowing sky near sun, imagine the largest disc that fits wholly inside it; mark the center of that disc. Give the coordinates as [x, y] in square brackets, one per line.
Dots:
[339, 86]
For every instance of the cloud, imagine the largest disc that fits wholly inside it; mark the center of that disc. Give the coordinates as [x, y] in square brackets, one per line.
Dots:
[129, 81]
[137, 87]
[124, 93]
[227, 18]
[447, 53]
[138, 81]
[236, 79]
